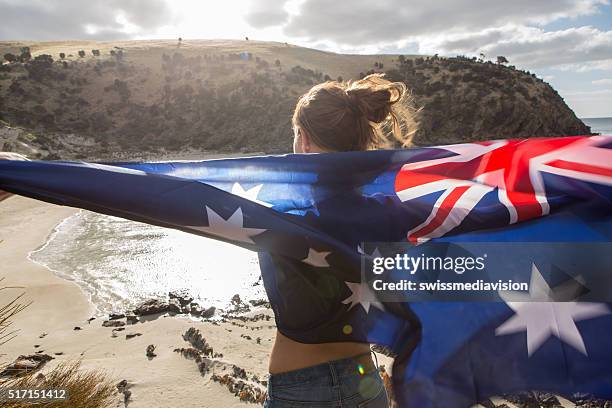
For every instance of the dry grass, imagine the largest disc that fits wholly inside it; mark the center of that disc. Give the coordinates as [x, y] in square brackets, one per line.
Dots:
[7, 312]
[85, 388]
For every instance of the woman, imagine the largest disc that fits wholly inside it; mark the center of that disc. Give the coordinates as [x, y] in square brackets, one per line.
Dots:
[335, 117]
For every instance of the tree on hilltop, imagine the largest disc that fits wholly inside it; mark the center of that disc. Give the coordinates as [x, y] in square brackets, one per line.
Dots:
[502, 60]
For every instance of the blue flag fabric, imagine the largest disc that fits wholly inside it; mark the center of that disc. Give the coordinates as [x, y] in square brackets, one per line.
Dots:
[309, 215]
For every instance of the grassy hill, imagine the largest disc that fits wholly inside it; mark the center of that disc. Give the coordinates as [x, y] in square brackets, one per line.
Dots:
[156, 97]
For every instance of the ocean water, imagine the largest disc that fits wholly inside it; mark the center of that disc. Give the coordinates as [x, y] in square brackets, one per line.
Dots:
[119, 263]
[599, 125]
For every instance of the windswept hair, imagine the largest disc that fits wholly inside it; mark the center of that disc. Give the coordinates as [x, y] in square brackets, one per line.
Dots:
[357, 115]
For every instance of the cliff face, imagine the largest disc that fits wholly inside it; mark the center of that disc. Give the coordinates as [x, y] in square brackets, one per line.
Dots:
[239, 96]
[464, 100]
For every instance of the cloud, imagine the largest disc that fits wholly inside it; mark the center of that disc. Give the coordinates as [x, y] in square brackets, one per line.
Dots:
[515, 30]
[266, 13]
[604, 65]
[364, 22]
[606, 81]
[75, 19]
[528, 46]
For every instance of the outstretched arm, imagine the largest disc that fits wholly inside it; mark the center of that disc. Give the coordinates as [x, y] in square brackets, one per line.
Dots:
[9, 156]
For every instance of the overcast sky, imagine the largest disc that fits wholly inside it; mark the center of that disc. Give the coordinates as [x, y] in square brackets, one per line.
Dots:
[566, 42]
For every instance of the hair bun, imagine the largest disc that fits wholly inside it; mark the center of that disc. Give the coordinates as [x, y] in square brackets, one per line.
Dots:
[373, 96]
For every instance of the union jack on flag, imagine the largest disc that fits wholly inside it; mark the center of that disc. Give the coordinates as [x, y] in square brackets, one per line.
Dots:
[307, 215]
[515, 168]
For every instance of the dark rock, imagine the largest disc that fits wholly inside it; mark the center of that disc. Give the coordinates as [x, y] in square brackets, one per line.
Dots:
[259, 302]
[182, 296]
[174, 306]
[113, 323]
[77, 328]
[132, 335]
[239, 372]
[131, 319]
[238, 305]
[195, 309]
[118, 329]
[115, 316]
[123, 388]
[122, 385]
[548, 400]
[193, 354]
[25, 364]
[152, 306]
[42, 335]
[208, 313]
[245, 392]
[91, 319]
[194, 337]
[127, 394]
[151, 351]
[488, 404]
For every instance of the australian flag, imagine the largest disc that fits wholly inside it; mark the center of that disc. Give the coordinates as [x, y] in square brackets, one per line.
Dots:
[309, 217]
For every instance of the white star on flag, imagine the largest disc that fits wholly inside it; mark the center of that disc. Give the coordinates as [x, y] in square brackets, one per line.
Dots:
[316, 258]
[232, 228]
[250, 194]
[545, 318]
[362, 294]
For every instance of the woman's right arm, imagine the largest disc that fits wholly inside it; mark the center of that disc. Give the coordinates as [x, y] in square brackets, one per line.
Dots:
[9, 156]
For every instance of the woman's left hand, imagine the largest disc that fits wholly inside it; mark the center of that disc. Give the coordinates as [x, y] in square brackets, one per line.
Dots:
[9, 156]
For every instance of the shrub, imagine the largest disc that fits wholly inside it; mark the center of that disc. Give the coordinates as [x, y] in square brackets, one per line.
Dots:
[25, 56]
[81, 53]
[10, 57]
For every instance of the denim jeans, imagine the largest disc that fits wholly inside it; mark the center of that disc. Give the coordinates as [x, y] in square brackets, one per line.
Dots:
[351, 382]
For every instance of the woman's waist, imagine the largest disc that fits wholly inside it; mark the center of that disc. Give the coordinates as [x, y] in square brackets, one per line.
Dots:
[288, 355]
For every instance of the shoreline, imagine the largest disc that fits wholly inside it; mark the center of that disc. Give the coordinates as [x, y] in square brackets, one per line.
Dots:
[59, 305]
[94, 309]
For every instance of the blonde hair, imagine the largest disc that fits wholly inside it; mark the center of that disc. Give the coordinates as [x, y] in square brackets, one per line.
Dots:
[356, 115]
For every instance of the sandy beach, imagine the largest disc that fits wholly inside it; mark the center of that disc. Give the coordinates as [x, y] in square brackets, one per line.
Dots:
[58, 306]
